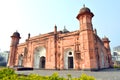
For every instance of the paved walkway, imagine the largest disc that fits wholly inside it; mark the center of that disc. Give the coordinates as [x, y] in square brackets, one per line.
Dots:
[106, 74]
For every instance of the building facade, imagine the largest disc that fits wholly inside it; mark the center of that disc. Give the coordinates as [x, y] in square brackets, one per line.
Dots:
[116, 56]
[4, 58]
[80, 49]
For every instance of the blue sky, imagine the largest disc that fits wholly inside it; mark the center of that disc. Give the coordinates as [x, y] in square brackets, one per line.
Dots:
[40, 16]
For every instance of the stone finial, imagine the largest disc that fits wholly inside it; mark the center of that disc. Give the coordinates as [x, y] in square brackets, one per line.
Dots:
[28, 35]
[55, 29]
[95, 31]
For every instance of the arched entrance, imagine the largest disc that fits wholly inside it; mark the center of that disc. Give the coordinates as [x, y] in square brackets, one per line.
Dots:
[39, 58]
[68, 59]
[20, 61]
[42, 62]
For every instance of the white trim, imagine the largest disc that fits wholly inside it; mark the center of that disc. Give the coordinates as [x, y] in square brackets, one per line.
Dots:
[39, 52]
[66, 55]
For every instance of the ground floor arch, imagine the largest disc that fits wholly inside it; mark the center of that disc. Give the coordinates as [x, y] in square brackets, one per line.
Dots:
[102, 60]
[42, 62]
[20, 60]
[39, 58]
[69, 59]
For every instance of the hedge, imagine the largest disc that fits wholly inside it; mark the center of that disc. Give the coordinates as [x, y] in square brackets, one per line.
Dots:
[9, 74]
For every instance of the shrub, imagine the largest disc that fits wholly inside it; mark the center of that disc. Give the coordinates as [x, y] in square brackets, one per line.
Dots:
[69, 76]
[86, 77]
[9, 74]
[55, 76]
[116, 66]
[6, 72]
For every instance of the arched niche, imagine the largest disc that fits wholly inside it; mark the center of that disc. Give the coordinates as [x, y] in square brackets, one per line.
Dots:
[39, 57]
[68, 59]
[20, 60]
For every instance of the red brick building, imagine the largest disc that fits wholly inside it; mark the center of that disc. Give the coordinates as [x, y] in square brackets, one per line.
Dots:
[81, 49]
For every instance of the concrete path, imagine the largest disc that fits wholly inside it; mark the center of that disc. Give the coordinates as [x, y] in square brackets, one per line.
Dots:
[106, 74]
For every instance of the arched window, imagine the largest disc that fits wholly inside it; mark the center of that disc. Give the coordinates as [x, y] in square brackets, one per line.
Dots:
[70, 53]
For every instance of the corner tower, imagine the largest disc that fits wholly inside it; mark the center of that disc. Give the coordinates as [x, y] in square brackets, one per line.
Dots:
[106, 42]
[13, 49]
[85, 19]
[86, 37]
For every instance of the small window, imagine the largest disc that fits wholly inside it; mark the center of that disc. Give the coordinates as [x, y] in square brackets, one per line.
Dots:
[70, 53]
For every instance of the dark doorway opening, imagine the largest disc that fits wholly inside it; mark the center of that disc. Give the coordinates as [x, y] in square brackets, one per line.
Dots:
[42, 62]
[70, 62]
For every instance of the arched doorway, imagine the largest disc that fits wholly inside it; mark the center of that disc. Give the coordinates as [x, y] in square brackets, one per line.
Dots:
[39, 58]
[20, 60]
[68, 59]
[42, 62]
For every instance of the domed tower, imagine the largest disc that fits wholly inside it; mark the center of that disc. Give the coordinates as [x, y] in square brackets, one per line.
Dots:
[85, 18]
[106, 42]
[13, 49]
[86, 37]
